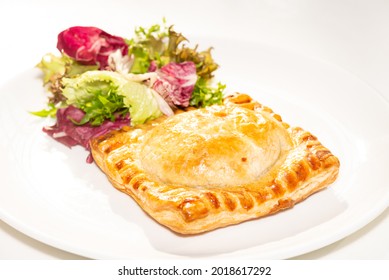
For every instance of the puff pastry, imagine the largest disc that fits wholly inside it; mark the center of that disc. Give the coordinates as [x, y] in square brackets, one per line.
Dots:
[208, 168]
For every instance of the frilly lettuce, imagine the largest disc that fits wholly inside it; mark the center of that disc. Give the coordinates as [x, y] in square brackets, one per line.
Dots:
[105, 94]
[54, 67]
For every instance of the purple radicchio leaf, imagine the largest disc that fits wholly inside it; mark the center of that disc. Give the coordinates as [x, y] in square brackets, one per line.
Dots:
[175, 83]
[90, 45]
[68, 133]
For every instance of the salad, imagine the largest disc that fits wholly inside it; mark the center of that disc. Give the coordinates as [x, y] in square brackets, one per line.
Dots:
[100, 82]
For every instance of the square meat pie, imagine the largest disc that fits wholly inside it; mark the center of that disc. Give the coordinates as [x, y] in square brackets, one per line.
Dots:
[208, 168]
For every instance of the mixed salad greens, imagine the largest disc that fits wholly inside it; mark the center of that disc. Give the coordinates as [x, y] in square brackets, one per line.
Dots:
[101, 82]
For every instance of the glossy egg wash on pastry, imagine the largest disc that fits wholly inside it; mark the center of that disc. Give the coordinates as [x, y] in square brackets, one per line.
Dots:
[208, 168]
[218, 146]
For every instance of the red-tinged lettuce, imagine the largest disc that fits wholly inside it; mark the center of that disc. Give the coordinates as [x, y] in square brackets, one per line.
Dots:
[90, 45]
[70, 134]
[175, 83]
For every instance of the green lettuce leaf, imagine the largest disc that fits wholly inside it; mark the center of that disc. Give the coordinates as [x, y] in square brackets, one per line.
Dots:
[206, 95]
[51, 111]
[54, 67]
[104, 94]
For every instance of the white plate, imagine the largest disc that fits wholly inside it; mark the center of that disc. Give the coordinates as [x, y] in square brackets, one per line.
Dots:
[48, 191]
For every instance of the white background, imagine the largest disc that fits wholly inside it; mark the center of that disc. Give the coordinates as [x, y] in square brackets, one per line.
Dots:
[353, 35]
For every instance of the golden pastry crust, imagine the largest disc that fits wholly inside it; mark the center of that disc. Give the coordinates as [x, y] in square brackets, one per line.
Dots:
[208, 168]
